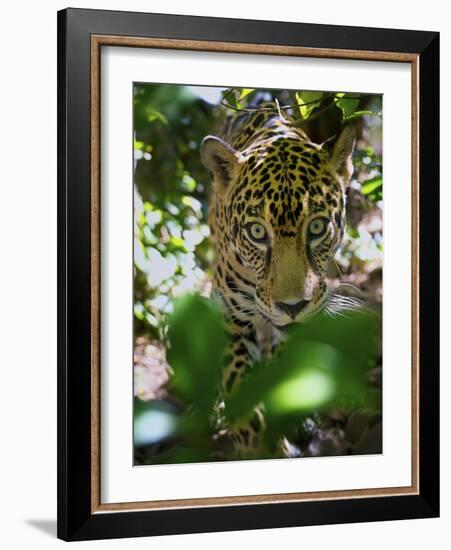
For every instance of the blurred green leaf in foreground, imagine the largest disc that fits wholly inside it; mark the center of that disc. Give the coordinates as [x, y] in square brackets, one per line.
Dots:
[323, 364]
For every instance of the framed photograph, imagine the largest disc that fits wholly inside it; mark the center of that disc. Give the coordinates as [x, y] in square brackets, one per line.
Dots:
[248, 274]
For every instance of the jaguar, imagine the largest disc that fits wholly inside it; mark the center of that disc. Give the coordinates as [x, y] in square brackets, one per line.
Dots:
[276, 215]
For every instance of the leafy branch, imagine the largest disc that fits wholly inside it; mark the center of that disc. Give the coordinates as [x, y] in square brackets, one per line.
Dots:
[307, 103]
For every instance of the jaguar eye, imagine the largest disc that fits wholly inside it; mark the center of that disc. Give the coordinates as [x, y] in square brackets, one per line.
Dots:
[318, 227]
[257, 232]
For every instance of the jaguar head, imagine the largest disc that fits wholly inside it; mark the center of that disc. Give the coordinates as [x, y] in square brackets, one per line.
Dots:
[280, 214]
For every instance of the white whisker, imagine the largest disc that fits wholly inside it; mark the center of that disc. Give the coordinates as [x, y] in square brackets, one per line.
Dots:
[349, 285]
[337, 304]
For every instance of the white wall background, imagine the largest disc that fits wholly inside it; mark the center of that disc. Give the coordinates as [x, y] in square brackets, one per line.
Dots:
[28, 259]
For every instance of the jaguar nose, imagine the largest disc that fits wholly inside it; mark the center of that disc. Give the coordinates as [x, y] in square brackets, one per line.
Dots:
[292, 309]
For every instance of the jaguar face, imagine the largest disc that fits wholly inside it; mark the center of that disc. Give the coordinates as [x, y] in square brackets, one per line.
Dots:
[281, 209]
[289, 263]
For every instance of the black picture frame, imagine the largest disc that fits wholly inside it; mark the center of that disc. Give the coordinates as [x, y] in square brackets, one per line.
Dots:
[76, 518]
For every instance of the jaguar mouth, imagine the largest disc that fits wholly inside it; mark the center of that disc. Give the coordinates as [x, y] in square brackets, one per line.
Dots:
[271, 321]
[290, 322]
[284, 328]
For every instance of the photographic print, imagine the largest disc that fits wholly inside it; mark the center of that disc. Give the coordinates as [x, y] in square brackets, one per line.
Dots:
[248, 274]
[258, 249]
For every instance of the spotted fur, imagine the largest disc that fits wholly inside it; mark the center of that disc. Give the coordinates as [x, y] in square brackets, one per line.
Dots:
[277, 219]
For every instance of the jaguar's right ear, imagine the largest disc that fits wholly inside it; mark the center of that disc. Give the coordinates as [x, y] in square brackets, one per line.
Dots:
[221, 160]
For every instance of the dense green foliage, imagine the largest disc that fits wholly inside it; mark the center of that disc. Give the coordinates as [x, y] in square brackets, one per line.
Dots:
[322, 364]
[173, 257]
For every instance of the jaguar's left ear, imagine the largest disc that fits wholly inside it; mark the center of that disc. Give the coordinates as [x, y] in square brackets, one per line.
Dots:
[340, 148]
[221, 160]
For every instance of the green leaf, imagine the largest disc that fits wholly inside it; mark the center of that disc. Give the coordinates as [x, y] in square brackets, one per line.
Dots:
[139, 311]
[358, 114]
[311, 390]
[151, 319]
[307, 101]
[245, 92]
[324, 359]
[188, 182]
[198, 339]
[154, 115]
[369, 186]
[230, 97]
[347, 103]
